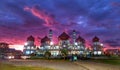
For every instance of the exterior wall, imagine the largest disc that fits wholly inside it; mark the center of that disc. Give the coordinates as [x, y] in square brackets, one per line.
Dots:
[78, 48]
[55, 53]
[64, 43]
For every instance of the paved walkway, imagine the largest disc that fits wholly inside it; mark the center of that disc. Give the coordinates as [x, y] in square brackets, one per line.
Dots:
[63, 65]
[57, 65]
[97, 66]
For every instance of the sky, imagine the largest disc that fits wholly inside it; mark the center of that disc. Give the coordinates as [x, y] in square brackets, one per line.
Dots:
[22, 18]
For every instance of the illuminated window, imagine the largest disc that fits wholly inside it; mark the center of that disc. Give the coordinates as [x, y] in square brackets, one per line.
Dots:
[27, 52]
[76, 43]
[95, 48]
[95, 52]
[81, 52]
[64, 45]
[57, 47]
[55, 53]
[99, 52]
[48, 47]
[28, 47]
[32, 51]
[32, 47]
[82, 47]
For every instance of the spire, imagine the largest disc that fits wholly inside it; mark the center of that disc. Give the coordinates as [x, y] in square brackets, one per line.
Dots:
[74, 34]
[50, 30]
[50, 34]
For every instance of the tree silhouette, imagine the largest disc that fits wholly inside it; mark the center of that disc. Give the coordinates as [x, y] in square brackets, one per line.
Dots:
[64, 53]
[47, 54]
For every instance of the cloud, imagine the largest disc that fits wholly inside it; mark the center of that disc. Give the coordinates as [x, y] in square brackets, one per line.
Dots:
[41, 14]
[113, 42]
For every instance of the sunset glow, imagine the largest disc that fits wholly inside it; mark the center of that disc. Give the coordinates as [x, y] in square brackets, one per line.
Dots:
[20, 19]
[17, 47]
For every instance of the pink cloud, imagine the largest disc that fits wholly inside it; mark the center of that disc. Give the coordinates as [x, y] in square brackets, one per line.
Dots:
[41, 14]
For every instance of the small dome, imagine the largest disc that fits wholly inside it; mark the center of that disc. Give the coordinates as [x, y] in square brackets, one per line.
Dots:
[31, 38]
[80, 39]
[64, 36]
[95, 39]
[45, 39]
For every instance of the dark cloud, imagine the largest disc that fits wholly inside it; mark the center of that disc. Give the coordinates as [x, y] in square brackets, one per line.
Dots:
[113, 42]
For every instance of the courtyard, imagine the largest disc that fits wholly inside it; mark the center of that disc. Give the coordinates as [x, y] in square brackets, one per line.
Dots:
[59, 65]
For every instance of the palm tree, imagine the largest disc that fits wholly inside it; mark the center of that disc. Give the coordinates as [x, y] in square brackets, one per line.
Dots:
[64, 53]
[47, 54]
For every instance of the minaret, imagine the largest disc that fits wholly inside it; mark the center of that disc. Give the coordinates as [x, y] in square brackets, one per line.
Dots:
[50, 34]
[74, 36]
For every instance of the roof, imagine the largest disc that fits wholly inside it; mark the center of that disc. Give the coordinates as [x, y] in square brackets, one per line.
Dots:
[95, 39]
[45, 39]
[80, 39]
[31, 38]
[64, 36]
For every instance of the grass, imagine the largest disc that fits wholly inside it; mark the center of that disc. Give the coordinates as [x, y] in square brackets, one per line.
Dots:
[113, 60]
[108, 61]
[11, 67]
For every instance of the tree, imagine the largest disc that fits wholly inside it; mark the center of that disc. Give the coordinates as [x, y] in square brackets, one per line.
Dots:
[47, 54]
[64, 53]
[32, 54]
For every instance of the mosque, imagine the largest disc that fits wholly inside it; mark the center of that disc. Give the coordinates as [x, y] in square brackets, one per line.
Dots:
[64, 42]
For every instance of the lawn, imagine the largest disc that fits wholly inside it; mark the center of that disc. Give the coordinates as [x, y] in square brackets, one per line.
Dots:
[11, 67]
[108, 61]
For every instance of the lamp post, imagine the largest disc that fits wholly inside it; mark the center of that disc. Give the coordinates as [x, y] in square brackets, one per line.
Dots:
[101, 44]
[51, 43]
[76, 43]
[26, 43]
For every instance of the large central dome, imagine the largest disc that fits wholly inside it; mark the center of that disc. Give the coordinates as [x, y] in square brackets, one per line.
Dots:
[64, 36]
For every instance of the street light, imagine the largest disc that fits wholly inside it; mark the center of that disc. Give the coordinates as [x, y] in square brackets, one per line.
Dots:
[76, 43]
[51, 43]
[26, 43]
[101, 44]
